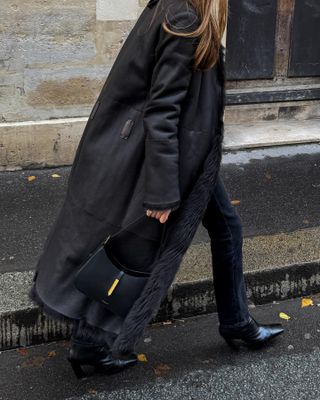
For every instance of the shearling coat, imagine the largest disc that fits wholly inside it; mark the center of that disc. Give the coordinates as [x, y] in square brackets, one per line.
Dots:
[153, 140]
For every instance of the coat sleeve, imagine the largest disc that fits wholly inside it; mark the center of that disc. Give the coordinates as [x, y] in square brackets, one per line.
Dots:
[169, 85]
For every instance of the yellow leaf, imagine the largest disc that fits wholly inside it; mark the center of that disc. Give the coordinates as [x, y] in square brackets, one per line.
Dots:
[142, 358]
[52, 353]
[235, 202]
[31, 178]
[305, 302]
[56, 176]
[284, 316]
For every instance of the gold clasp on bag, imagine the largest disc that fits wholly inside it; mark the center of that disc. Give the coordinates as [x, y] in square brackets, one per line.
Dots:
[113, 286]
[115, 283]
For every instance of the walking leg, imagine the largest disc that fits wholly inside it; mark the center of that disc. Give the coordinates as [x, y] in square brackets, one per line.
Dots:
[225, 230]
[87, 335]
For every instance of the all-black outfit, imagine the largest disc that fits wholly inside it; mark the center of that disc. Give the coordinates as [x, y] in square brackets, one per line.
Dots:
[153, 140]
[226, 237]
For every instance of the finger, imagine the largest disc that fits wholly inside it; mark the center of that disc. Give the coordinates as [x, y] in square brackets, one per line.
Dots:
[163, 218]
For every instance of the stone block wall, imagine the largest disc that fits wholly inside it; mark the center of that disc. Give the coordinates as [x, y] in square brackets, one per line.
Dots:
[55, 55]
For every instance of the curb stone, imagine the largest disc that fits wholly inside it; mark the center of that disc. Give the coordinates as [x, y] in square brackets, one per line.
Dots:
[27, 326]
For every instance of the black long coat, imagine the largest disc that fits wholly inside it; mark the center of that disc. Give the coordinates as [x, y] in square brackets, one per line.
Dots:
[153, 141]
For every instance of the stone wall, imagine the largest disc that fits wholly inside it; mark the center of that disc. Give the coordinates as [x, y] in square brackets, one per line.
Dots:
[55, 55]
[54, 58]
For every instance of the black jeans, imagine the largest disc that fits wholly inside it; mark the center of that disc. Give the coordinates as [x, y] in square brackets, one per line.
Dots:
[224, 227]
[225, 231]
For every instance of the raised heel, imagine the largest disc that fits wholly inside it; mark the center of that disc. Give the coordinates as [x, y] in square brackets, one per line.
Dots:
[231, 343]
[80, 374]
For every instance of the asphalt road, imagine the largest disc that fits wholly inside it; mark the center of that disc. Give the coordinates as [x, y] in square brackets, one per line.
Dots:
[186, 360]
[278, 189]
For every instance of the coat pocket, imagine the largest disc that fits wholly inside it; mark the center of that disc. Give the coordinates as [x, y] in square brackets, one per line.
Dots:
[127, 128]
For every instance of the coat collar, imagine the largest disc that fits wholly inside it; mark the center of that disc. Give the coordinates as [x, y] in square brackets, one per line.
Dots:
[151, 3]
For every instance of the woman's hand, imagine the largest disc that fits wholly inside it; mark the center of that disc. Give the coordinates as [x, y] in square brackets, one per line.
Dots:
[161, 215]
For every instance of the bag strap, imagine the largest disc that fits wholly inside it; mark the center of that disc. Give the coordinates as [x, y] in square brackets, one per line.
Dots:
[161, 240]
[131, 223]
[128, 271]
[109, 236]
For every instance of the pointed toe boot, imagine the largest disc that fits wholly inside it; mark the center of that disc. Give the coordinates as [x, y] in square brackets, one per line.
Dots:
[254, 335]
[99, 357]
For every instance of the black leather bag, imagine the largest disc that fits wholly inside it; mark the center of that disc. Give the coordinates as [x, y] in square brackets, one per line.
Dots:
[103, 280]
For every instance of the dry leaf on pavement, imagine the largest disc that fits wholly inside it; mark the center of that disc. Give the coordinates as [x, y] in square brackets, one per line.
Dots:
[161, 369]
[268, 175]
[142, 358]
[306, 302]
[284, 316]
[33, 362]
[23, 351]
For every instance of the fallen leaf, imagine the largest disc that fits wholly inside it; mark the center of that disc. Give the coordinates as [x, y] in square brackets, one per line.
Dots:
[306, 221]
[142, 358]
[161, 369]
[268, 176]
[31, 178]
[235, 202]
[23, 351]
[52, 353]
[56, 176]
[284, 316]
[92, 391]
[33, 362]
[306, 302]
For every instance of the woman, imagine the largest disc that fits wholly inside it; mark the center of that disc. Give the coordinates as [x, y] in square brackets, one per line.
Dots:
[152, 147]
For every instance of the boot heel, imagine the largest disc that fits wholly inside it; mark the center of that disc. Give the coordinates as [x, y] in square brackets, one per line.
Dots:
[78, 371]
[231, 343]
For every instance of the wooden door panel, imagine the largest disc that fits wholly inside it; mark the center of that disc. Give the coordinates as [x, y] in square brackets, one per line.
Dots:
[251, 39]
[305, 47]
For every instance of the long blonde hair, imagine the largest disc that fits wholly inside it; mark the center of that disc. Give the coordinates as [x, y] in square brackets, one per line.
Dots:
[213, 15]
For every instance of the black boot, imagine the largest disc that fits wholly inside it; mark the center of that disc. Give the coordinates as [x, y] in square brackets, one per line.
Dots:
[98, 356]
[253, 334]
[91, 346]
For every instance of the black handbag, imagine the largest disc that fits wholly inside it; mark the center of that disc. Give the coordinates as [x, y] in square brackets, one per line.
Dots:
[103, 280]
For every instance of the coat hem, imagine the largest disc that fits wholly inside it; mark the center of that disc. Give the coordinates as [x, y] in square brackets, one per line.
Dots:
[83, 332]
[35, 298]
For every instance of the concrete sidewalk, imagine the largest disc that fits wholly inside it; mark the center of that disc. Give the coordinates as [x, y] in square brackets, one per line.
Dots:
[277, 195]
[186, 360]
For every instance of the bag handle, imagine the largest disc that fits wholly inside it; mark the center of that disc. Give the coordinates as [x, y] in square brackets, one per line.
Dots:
[137, 219]
[109, 236]
[161, 240]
